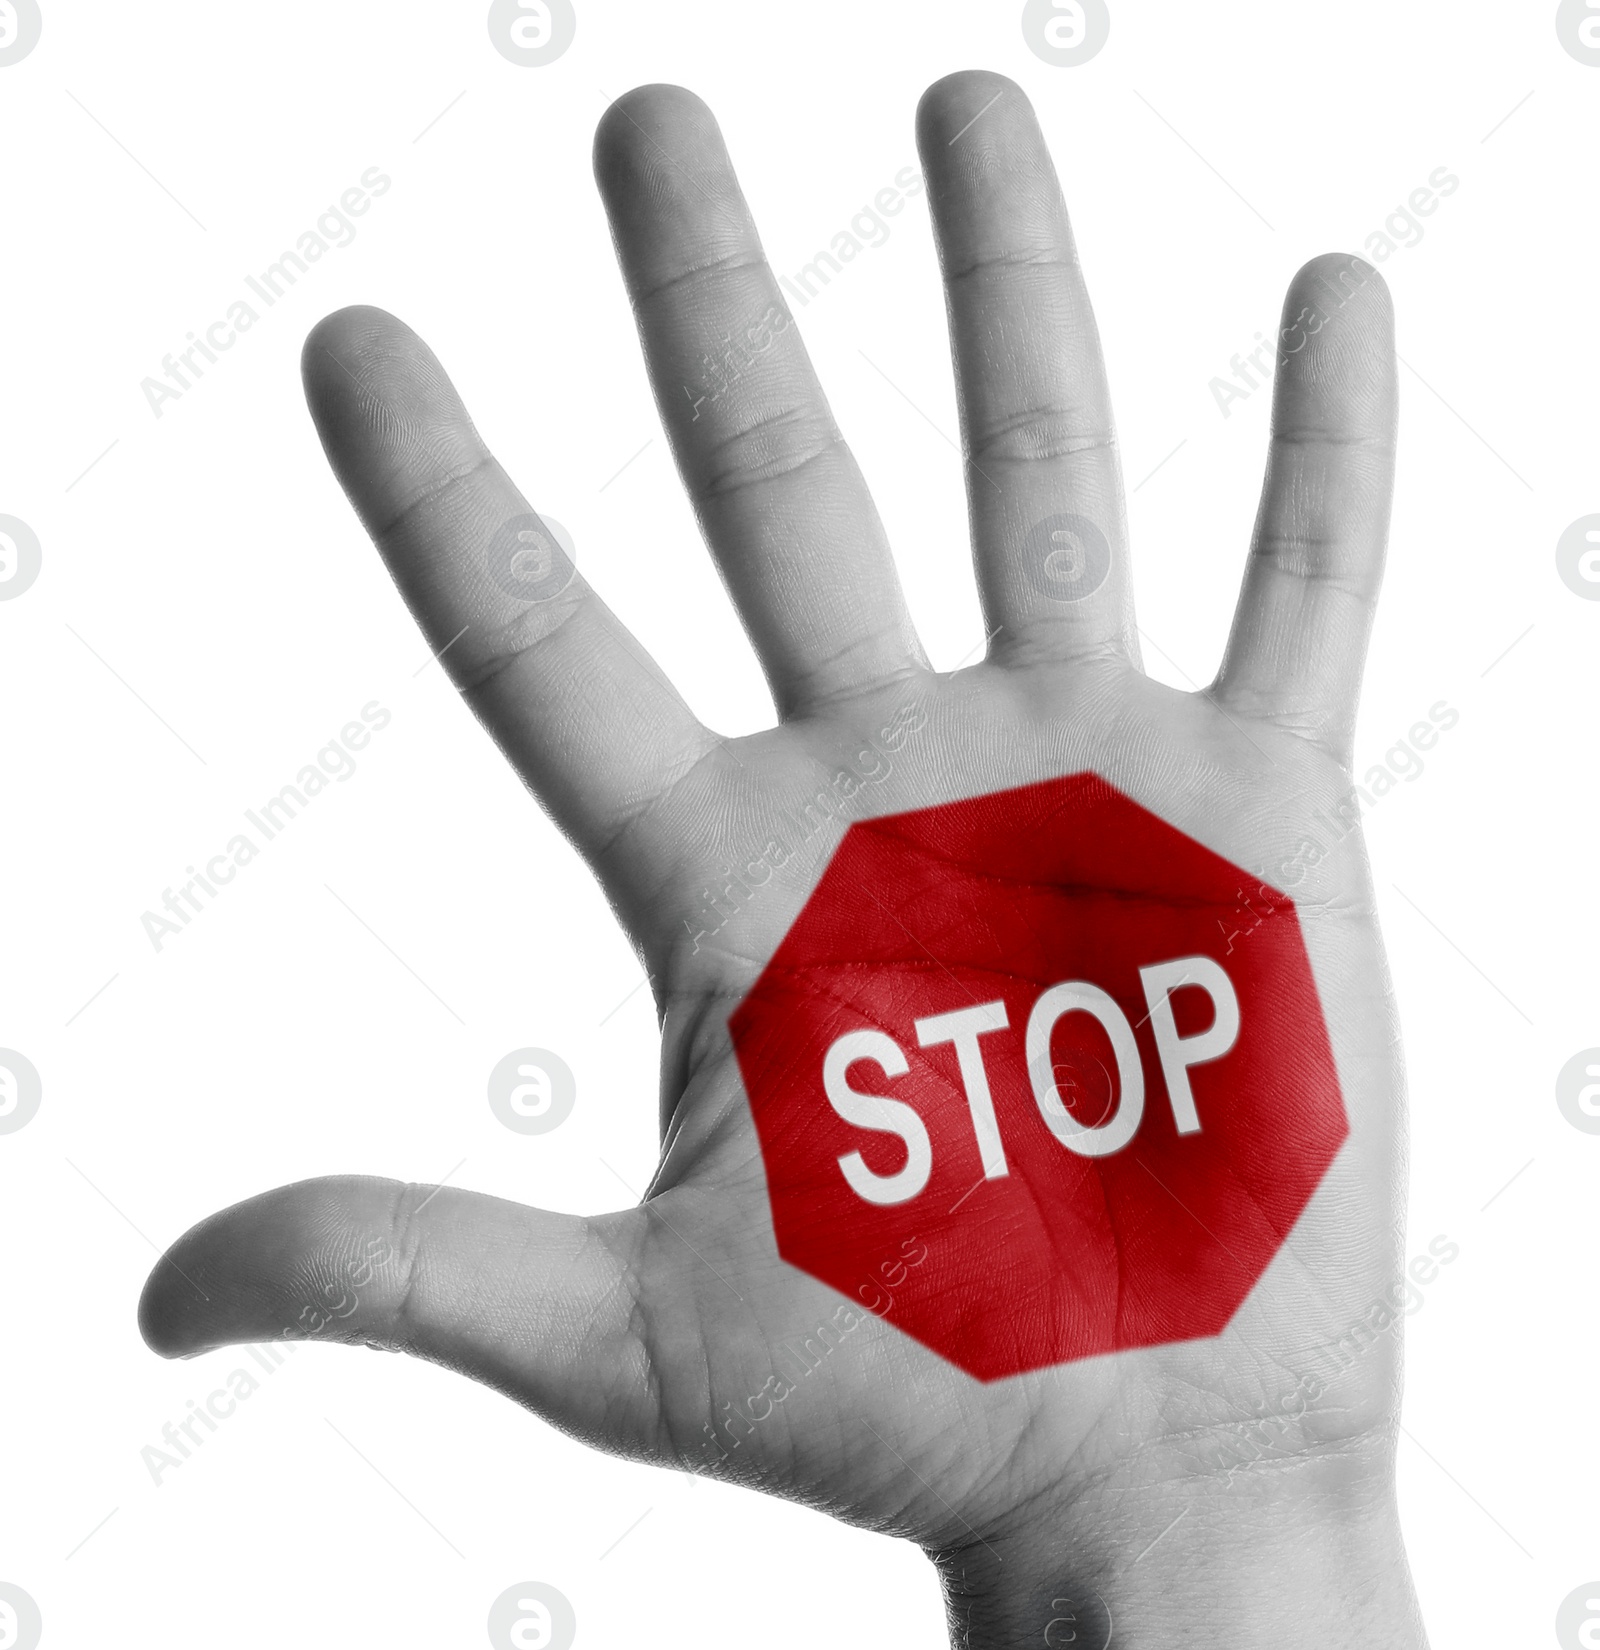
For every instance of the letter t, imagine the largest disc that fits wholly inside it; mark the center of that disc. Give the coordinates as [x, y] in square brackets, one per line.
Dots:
[964, 1027]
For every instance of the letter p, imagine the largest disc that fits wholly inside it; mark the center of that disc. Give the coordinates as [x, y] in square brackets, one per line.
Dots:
[1179, 1053]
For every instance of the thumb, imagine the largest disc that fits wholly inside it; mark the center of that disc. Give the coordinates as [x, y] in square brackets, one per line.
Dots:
[539, 1305]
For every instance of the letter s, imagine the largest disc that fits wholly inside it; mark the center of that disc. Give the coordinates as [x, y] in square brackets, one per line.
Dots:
[874, 1111]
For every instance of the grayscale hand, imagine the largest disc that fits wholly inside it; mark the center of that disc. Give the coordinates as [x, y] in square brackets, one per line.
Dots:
[619, 1327]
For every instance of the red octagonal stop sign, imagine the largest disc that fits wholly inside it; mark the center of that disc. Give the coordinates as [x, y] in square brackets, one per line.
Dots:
[1069, 1061]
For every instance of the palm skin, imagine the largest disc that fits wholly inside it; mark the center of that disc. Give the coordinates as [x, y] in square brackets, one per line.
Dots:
[638, 1330]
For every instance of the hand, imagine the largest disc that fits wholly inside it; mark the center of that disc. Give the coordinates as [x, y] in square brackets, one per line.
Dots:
[634, 1329]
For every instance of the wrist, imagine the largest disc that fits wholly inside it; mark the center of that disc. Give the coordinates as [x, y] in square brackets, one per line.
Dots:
[1308, 1554]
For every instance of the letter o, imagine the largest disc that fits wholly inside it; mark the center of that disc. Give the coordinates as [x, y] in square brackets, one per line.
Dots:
[1079, 997]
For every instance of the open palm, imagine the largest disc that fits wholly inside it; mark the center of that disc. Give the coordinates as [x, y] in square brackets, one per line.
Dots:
[645, 1330]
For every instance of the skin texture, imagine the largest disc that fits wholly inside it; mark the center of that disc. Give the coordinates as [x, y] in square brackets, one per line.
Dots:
[1198, 1492]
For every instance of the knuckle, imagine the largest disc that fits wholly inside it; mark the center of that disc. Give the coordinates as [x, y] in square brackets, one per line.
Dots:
[1032, 435]
[766, 448]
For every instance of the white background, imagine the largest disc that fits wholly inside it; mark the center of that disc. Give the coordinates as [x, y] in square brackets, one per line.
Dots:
[209, 561]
